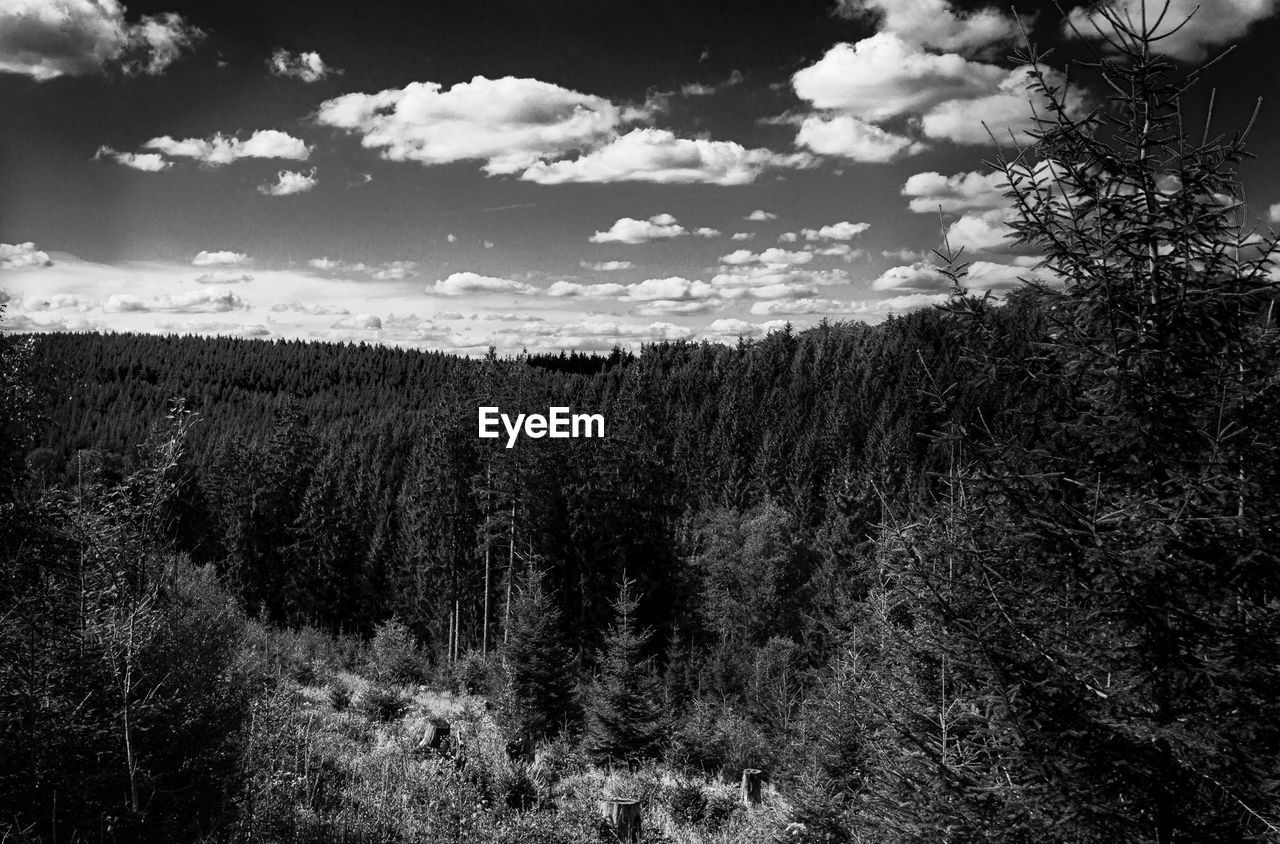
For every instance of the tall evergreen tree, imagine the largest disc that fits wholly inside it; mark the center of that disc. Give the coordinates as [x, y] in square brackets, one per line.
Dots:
[539, 700]
[624, 715]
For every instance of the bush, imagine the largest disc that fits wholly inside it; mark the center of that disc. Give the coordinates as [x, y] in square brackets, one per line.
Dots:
[475, 674]
[513, 787]
[394, 655]
[382, 703]
[686, 803]
[717, 739]
[340, 694]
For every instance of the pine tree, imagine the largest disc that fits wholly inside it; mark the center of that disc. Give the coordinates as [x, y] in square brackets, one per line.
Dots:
[1101, 569]
[624, 715]
[539, 700]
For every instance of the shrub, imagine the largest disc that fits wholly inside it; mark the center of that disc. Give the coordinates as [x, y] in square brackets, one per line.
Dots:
[716, 738]
[382, 703]
[475, 674]
[394, 655]
[513, 787]
[339, 694]
[686, 803]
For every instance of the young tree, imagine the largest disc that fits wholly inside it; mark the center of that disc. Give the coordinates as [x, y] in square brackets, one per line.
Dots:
[540, 694]
[624, 716]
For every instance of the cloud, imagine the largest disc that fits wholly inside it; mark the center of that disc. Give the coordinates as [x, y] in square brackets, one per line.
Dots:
[606, 266]
[255, 329]
[223, 278]
[289, 182]
[325, 263]
[848, 137]
[23, 256]
[674, 288]
[979, 195]
[395, 270]
[884, 76]
[706, 232]
[312, 308]
[360, 322]
[961, 192]
[919, 277]
[936, 23]
[224, 258]
[599, 335]
[45, 39]
[890, 76]
[307, 67]
[657, 155]
[1212, 24]
[461, 284]
[222, 149]
[836, 231]
[209, 300]
[631, 230]
[588, 291]
[760, 216]
[56, 302]
[773, 257]
[732, 328]
[742, 236]
[41, 323]
[510, 124]
[147, 162]
[987, 230]
[773, 282]
[1006, 109]
[672, 307]
[986, 275]
[869, 308]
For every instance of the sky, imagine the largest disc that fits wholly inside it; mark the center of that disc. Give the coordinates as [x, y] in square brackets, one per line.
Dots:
[532, 174]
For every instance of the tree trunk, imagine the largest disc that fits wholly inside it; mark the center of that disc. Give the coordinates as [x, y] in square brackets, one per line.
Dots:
[434, 736]
[751, 781]
[624, 817]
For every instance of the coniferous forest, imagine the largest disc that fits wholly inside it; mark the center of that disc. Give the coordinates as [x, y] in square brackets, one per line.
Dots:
[1001, 570]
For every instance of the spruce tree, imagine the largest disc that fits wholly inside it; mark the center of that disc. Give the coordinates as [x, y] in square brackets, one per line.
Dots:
[1100, 572]
[539, 699]
[624, 715]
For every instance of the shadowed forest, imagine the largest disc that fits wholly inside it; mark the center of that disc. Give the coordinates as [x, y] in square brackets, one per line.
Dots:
[1000, 570]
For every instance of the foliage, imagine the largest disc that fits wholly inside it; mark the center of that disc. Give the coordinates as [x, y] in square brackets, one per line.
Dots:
[624, 715]
[538, 701]
[394, 656]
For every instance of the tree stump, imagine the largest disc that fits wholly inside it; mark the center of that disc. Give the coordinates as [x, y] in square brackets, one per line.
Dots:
[624, 817]
[751, 780]
[433, 738]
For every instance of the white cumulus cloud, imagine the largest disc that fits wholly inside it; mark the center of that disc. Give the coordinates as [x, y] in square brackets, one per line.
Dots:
[631, 230]
[464, 283]
[220, 258]
[22, 256]
[45, 39]
[221, 149]
[305, 66]
[289, 183]
[147, 162]
[657, 155]
[510, 123]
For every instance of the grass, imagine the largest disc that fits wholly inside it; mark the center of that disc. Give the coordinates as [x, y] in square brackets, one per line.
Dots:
[319, 774]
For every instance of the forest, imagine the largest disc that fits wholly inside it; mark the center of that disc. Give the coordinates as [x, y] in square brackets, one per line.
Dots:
[1005, 569]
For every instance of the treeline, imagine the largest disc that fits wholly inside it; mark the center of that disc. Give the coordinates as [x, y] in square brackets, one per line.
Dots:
[345, 489]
